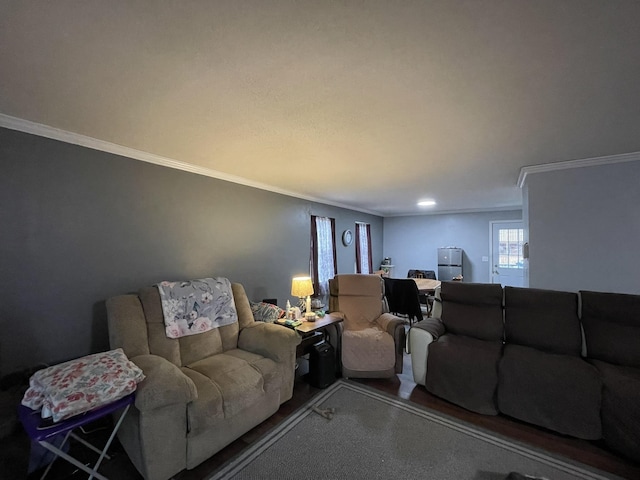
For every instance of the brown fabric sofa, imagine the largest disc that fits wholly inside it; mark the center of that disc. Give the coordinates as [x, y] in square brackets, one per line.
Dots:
[463, 362]
[542, 378]
[548, 372]
[612, 334]
[201, 392]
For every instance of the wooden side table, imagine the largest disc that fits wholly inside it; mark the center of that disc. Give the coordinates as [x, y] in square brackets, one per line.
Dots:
[320, 323]
[314, 332]
[323, 369]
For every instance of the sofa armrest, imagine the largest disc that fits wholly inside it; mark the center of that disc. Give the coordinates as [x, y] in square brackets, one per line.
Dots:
[420, 336]
[427, 331]
[389, 323]
[432, 325]
[164, 384]
[394, 326]
[269, 340]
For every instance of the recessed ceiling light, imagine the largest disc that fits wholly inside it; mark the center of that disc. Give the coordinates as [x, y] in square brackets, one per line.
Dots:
[426, 203]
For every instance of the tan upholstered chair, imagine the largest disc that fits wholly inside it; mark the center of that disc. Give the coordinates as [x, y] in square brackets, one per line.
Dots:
[372, 339]
[201, 392]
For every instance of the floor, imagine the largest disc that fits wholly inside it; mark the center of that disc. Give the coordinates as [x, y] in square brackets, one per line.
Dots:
[14, 450]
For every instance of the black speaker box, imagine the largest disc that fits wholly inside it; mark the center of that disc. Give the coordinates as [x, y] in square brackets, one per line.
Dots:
[322, 365]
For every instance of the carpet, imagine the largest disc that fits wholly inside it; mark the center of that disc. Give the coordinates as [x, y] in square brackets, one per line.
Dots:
[371, 435]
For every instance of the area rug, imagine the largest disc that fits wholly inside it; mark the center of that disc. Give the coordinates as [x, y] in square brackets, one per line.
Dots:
[351, 431]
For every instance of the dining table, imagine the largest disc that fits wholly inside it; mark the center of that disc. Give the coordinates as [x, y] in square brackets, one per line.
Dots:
[427, 286]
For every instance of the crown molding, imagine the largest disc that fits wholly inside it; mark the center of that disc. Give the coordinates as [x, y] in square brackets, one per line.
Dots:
[585, 162]
[41, 130]
[503, 208]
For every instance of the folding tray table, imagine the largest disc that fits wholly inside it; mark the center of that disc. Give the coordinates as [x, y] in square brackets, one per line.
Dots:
[42, 430]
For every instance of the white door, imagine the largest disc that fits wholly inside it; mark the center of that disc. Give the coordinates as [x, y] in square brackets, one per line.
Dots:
[507, 262]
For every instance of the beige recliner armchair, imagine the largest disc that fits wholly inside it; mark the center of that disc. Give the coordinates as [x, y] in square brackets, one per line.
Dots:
[202, 391]
[372, 339]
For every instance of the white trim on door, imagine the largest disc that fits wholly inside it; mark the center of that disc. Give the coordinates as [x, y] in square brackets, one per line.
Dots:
[491, 225]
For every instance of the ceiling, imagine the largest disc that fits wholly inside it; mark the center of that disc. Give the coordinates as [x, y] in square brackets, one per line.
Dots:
[373, 105]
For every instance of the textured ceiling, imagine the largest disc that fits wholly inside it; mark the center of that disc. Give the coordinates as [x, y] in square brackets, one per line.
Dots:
[368, 104]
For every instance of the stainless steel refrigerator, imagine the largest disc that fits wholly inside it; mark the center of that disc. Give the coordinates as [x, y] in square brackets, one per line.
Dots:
[449, 263]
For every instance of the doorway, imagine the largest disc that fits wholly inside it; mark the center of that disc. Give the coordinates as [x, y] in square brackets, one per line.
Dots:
[507, 261]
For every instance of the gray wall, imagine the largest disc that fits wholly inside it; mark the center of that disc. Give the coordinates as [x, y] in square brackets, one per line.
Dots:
[584, 228]
[79, 226]
[412, 241]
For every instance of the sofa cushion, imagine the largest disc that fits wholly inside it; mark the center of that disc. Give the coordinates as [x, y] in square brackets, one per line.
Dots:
[203, 345]
[207, 409]
[368, 350]
[612, 327]
[559, 392]
[620, 408]
[472, 309]
[229, 333]
[229, 383]
[127, 325]
[189, 349]
[265, 366]
[358, 285]
[359, 297]
[542, 319]
[164, 385]
[464, 371]
[159, 344]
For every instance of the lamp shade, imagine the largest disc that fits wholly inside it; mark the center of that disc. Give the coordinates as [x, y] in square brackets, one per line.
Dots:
[301, 287]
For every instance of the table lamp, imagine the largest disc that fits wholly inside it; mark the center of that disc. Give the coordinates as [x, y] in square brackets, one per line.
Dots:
[303, 287]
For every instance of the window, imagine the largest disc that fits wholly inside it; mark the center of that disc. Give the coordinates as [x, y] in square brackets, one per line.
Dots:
[510, 248]
[324, 265]
[364, 263]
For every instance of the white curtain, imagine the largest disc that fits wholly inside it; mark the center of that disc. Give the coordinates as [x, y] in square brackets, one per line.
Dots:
[363, 250]
[324, 253]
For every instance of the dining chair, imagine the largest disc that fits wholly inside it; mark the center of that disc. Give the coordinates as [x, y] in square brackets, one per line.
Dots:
[425, 299]
[403, 297]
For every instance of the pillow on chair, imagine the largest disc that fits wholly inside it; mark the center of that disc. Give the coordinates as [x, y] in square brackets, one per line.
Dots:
[266, 312]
